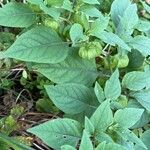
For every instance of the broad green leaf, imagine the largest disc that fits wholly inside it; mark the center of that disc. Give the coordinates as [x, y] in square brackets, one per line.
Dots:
[57, 3]
[109, 146]
[112, 88]
[58, 132]
[147, 71]
[113, 39]
[46, 106]
[145, 138]
[103, 137]
[73, 69]
[36, 2]
[40, 44]
[128, 20]
[127, 117]
[102, 117]
[120, 139]
[52, 11]
[99, 25]
[4, 145]
[71, 98]
[91, 11]
[145, 118]
[86, 143]
[91, 2]
[76, 33]
[143, 25]
[16, 15]
[67, 147]
[11, 142]
[143, 97]
[99, 92]
[133, 63]
[101, 146]
[133, 138]
[135, 80]
[80, 116]
[114, 146]
[148, 33]
[141, 43]
[67, 5]
[117, 10]
[128, 135]
[89, 127]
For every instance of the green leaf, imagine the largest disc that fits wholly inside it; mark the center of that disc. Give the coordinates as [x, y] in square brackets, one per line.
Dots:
[145, 118]
[4, 145]
[143, 25]
[71, 98]
[112, 87]
[45, 105]
[57, 3]
[128, 135]
[135, 80]
[103, 137]
[12, 143]
[128, 20]
[99, 25]
[145, 138]
[67, 5]
[101, 146]
[102, 117]
[86, 143]
[76, 33]
[40, 44]
[89, 127]
[133, 138]
[55, 136]
[16, 15]
[133, 63]
[73, 69]
[99, 92]
[109, 146]
[36, 2]
[141, 43]
[52, 11]
[91, 2]
[127, 117]
[117, 10]
[114, 146]
[113, 39]
[67, 147]
[91, 11]
[143, 97]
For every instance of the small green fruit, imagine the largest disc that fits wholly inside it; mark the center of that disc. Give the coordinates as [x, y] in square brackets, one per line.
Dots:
[110, 62]
[113, 62]
[34, 7]
[81, 18]
[106, 63]
[90, 50]
[123, 61]
[116, 61]
[51, 23]
[123, 100]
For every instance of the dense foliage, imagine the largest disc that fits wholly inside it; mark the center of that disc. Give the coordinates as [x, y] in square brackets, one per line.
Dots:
[95, 55]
